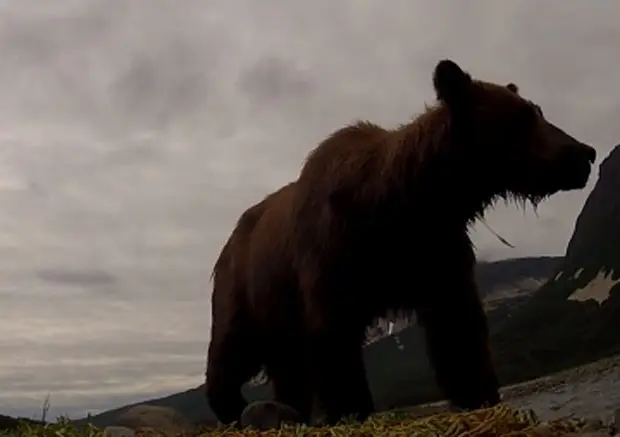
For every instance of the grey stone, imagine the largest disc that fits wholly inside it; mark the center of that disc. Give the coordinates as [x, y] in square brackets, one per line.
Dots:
[266, 415]
[600, 433]
[118, 431]
[163, 419]
[542, 430]
[546, 430]
[592, 425]
[591, 428]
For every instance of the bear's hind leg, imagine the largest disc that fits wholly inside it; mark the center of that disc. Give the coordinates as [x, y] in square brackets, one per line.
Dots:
[290, 378]
[339, 377]
[232, 361]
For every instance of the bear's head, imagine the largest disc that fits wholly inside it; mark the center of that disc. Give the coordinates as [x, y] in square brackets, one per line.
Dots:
[507, 142]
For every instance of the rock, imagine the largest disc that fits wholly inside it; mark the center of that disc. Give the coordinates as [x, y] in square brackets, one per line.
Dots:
[546, 430]
[616, 421]
[602, 433]
[542, 430]
[162, 419]
[266, 415]
[592, 428]
[118, 431]
[593, 425]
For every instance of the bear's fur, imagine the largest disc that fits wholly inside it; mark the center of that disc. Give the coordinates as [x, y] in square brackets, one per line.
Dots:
[377, 220]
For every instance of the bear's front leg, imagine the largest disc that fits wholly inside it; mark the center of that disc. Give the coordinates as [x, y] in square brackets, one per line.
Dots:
[339, 377]
[290, 377]
[458, 346]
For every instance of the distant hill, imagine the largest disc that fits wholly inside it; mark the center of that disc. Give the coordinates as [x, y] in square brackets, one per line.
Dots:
[504, 283]
[8, 423]
[510, 273]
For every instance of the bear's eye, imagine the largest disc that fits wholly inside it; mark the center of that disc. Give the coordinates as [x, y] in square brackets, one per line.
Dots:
[526, 117]
[538, 109]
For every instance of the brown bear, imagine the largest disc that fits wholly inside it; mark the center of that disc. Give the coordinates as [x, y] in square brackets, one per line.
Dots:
[377, 220]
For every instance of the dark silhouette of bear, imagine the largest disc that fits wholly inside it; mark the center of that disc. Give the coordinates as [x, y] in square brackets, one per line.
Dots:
[377, 220]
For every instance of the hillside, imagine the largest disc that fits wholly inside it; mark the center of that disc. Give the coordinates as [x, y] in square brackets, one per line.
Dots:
[11, 423]
[502, 282]
[560, 327]
[495, 275]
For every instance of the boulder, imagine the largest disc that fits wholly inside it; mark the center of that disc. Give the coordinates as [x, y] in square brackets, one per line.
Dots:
[118, 431]
[161, 419]
[264, 415]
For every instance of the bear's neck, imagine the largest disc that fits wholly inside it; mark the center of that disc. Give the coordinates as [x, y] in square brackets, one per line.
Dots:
[442, 181]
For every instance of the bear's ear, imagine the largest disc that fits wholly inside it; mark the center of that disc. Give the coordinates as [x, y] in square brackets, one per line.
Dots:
[450, 82]
[512, 87]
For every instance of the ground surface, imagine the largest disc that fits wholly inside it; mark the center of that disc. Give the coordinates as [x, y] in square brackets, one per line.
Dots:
[564, 402]
[591, 391]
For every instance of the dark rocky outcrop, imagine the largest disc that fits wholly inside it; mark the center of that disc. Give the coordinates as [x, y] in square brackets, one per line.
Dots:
[165, 420]
[596, 239]
[265, 415]
[561, 326]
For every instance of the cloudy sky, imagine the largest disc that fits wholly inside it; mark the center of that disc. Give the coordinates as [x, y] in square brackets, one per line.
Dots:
[134, 132]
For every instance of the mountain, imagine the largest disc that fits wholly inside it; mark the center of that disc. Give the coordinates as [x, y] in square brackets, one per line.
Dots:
[575, 317]
[504, 284]
[512, 273]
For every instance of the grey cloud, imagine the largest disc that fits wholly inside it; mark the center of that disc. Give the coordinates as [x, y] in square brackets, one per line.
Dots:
[136, 153]
[133, 134]
[91, 277]
[273, 80]
[163, 85]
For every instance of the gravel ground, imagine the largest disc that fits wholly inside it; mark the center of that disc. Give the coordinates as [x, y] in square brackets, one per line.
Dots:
[591, 391]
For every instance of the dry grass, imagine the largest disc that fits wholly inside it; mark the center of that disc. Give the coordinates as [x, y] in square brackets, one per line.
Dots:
[498, 421]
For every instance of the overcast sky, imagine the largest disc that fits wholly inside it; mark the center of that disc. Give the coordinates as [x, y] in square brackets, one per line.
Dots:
[134, 132]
